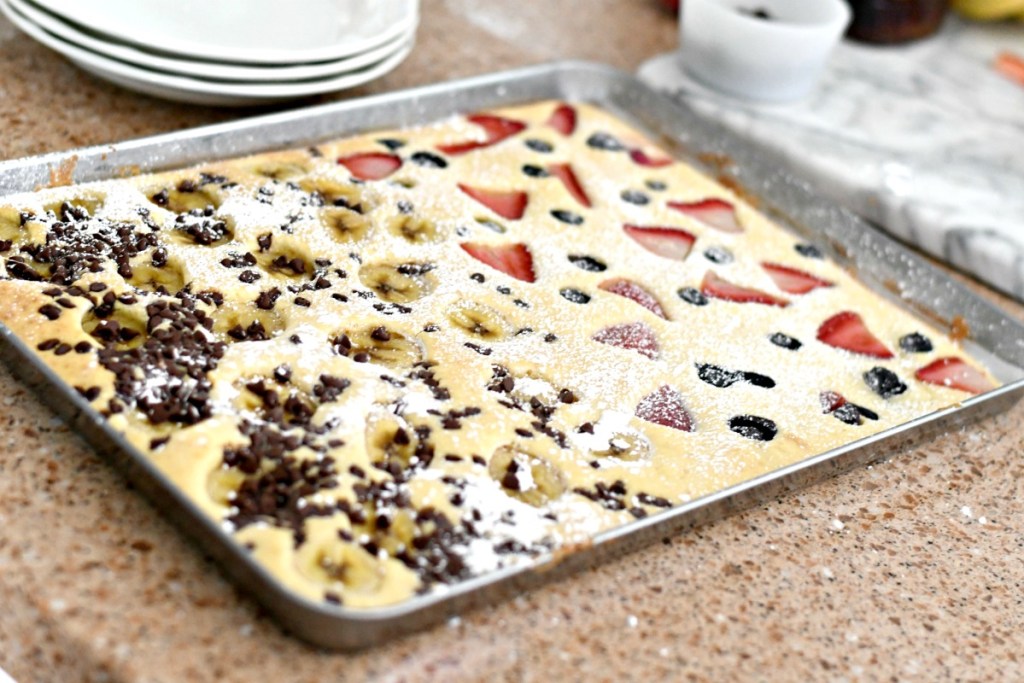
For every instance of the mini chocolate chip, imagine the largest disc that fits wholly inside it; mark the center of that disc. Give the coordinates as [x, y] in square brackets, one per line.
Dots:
[83, 347]
[50, 311]
[97, 287]
[477, 277]
[381, 334]
[549, 338]
[62, 349]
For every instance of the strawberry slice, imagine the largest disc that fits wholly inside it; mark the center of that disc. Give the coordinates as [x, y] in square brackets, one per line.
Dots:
[371, 165]
[634, 292]
[792, 280]
[665, 407]
[847, 331]
[563, 119]
[717, 213]
[496, 129]
[671, 243]
[511, 259]
[955, 373]
[633, 336]
[720, 288]
[640, 157]
[510, 205]
[564, 173]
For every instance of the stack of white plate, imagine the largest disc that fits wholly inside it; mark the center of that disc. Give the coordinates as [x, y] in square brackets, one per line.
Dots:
[225, 52]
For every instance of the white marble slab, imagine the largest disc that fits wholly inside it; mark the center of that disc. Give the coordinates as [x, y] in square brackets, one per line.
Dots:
[925, 139]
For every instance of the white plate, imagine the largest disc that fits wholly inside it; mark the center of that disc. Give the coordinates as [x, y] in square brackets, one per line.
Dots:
[194, 90]
[231, 30]
[207, 70]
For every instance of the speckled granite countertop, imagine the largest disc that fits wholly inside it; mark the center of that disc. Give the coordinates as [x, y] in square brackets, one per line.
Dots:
[907, 570]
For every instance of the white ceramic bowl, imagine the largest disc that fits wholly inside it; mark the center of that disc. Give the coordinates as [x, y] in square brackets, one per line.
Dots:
[727, 47]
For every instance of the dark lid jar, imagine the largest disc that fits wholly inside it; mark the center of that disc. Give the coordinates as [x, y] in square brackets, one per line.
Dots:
[895, 21]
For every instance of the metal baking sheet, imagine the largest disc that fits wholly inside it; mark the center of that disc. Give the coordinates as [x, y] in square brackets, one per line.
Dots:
[891, 270]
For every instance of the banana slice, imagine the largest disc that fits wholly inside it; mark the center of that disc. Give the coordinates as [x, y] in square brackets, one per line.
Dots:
[186, 197]
[344, 224]
[414, 230]
[399, 283]
[625, 446]
[222, 483]
[91, 202]
[389, 438]
[342, 565]
[525, 476]
[377, 344]
[480, 321]
[281, 170]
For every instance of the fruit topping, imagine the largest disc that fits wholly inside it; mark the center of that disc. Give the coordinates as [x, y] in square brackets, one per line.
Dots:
[539, 146]
[633, 336]
[785, 341]
[693, 296]
[809, 251]
[954, 373]
[391, 143]
[574, 295]
[753, 427]
[535, 171]
[793, 281]
[718, 255]
[716, 213]
[656, 185]
[634, 197]
[496, 129]
[511, 259]
[915, 342]
[641, 158]
[719, 377]
[884, 382]
[588, 263]
[665, 407]
[428, 160]
[564, 173]
[844, 411]
[402, 283]
[847, 331]
[510, 205]
[720, 288]
[634, 292]
[670, 243]
[567, 216]
[563, 119]
[478, 320]
[371, 165]
[605, 142]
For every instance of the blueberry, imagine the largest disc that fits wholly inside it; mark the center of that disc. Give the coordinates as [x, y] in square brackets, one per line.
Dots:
[539, 146]
[785, 341]
[391, 143]
[656, 185]
[535, 171]
[428, 159]
[753, 427]
[635, 197]
[718, 255]
[884, 382]
[574, 295]
[692, 296]
[847, 413]
[915, 342]
[717, 376]
[606, 142]
[809, 250]
[758, 380]
[587, 263]
[567, 217]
